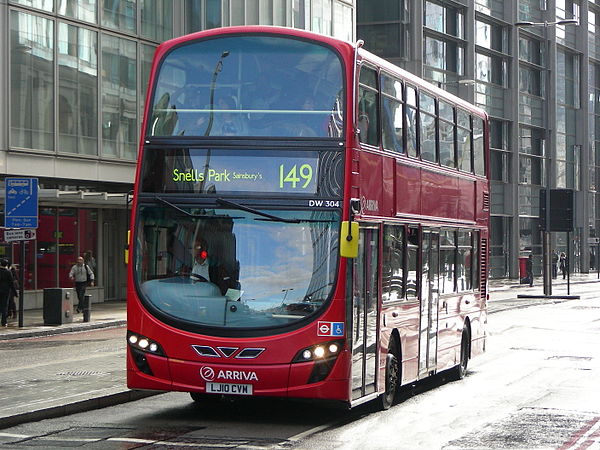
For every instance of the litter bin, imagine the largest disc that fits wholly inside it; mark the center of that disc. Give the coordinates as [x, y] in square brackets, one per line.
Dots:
[87, 307]
[58, 306]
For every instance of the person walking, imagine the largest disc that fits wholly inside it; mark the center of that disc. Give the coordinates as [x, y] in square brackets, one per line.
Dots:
[529, 269]
[554, 264]
[563, 264]
[14, 292]
[81, 274]
[6, 284]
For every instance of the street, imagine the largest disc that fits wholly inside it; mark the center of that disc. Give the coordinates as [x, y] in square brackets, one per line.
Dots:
[534, 388]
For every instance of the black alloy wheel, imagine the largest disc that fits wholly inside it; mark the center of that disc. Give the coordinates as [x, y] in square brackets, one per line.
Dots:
[392, 377]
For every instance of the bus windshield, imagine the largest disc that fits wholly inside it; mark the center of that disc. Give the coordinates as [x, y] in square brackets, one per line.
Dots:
[235, 267]
[249, 86]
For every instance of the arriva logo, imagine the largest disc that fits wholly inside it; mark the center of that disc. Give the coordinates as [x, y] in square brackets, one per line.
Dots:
[208, 374]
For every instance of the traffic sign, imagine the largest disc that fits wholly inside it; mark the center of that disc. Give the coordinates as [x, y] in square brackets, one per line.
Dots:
[21, 205]
[19, 235]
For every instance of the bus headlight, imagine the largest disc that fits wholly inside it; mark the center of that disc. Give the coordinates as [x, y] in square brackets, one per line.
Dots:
[326, 350]
[144, 344]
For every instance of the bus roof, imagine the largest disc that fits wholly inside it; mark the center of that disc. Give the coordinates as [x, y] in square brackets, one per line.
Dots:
[346, 49]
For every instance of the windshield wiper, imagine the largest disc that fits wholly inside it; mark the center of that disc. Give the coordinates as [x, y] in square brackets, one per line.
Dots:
[224, 202]
[189, 214]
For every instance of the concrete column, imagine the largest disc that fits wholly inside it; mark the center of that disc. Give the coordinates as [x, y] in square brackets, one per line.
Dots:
[512, 109]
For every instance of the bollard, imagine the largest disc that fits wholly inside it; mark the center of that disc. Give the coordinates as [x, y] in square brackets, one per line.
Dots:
[87, 307]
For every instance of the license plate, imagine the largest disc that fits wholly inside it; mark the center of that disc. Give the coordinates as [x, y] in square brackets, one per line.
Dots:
[228, 388]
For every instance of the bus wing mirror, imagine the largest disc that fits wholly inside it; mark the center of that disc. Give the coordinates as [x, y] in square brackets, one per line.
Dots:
[127, 247]
[349, 239]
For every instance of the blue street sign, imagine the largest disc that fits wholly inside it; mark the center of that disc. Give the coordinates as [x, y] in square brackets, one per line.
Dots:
[21, 205]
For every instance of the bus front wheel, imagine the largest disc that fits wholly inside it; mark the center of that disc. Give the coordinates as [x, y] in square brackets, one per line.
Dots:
[392, 377]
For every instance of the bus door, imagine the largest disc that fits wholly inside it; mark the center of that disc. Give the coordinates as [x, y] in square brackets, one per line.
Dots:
[428, 332]
[365, 298]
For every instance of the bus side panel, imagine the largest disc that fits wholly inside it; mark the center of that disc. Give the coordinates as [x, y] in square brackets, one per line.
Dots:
[408, 189]
[466, 206]
[439, 194]
[450, 327]
[371, 173]
[407, 324]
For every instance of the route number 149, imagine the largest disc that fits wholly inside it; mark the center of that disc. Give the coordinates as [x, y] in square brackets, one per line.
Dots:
[295, 175]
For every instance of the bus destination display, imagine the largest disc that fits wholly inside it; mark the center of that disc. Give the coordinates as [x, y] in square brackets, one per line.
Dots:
[206, 171]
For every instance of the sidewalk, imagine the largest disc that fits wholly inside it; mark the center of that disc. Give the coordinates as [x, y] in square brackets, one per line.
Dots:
[558, 284]
[34, 386]
[103, 315]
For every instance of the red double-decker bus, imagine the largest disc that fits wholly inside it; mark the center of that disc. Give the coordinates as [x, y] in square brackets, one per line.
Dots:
[309, 221]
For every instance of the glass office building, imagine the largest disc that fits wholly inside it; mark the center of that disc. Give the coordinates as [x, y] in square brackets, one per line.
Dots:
[540, 85]
[72, 90]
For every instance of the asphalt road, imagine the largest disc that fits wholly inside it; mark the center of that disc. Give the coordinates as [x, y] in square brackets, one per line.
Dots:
[536, 387]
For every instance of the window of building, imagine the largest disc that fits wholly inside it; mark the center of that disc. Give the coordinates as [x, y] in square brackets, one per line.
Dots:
[444, 55]
[85, 10]
[321, 16]
[78, 90]
[119, 97]
[567, 79]
[532, 156]
[44, 5]
[385, 29]
[445, 19]
[157, 19]
[594, 128]
[491, 36]
[343, 25]
[500, 157]
[491, 69]
[31, 81]
[202, 15]
[120, 15]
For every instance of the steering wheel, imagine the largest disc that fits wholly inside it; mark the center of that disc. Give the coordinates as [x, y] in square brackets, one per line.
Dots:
[197, 277]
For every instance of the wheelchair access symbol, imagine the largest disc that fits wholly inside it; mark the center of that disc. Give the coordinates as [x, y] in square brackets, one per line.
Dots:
[330, 328]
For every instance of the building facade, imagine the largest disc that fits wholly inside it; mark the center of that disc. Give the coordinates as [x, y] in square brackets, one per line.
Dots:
[72, 91]
[540, 84]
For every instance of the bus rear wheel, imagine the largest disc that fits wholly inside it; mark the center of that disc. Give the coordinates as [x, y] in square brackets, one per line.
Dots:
[461, 369]
[392, 377]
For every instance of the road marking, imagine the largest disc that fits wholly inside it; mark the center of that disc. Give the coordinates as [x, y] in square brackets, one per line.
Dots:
[13, 435]
[585, 437]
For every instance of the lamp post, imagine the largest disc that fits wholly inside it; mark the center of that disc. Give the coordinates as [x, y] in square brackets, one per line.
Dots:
[546, 237]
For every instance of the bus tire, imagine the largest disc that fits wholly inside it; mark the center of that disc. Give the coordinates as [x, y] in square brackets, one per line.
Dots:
[460, 370]
[392, 377]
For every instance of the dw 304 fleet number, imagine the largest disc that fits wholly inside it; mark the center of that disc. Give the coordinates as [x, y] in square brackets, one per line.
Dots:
[324, 203]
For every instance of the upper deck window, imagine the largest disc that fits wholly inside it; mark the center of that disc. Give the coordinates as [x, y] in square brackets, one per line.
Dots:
[249, 86]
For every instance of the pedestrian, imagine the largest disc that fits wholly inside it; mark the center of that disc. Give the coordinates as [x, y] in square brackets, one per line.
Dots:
[6, 284]
[14, 292]
[82, 275]
[592, 260]
[564, 264]
[554, 264]
[529, 269]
